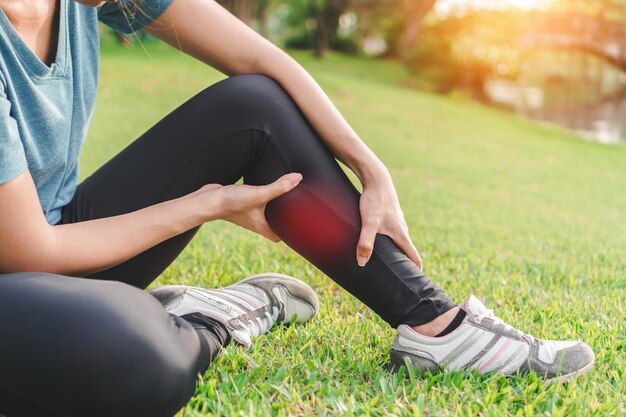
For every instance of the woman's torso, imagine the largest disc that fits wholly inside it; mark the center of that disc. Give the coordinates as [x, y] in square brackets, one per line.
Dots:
[48, 107]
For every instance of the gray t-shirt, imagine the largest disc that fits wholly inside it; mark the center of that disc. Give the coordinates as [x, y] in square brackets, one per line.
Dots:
[45, 110]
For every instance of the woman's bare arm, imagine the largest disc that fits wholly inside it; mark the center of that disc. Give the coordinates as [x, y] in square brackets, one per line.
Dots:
[206, 31]
[29, 243]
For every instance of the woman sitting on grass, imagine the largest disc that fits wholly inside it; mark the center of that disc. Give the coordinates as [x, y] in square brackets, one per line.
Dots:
[79, 337]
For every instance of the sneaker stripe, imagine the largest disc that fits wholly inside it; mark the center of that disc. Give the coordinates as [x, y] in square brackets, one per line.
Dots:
[218, 307]
[462, 347]
[482, 352]
[230, 298]
[217, 301]
[437, 347]
[511, 361]
[483, 368]
[213, 313]
[247, 298]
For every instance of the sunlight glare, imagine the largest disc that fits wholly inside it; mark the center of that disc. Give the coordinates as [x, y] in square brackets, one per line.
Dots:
[444, 8]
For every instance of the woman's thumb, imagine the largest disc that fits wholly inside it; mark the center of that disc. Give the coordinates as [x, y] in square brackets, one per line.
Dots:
[281, 186]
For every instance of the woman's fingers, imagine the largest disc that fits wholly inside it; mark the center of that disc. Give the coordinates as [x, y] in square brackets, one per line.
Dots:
[365, 246]
[409, 249]
[271, 191]
[279, 187]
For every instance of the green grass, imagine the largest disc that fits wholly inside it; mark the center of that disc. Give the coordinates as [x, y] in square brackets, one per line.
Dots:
[529, 218]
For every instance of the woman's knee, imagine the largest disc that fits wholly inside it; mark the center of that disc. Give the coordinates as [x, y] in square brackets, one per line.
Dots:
[251, 96]
[108, 349]
[139, 356]
[148, 367]
[251, 85]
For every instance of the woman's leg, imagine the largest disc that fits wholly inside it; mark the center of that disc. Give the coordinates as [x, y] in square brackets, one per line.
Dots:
[75, 347]
[249, 126]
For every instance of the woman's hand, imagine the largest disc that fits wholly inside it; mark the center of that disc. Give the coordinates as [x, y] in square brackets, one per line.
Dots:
[381, 213]
[244, 205]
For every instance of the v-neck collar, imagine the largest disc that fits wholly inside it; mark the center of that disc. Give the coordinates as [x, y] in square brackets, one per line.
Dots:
[30, 60]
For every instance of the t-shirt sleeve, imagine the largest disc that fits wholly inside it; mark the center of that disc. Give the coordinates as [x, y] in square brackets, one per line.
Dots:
[128, 16]
[12, 156]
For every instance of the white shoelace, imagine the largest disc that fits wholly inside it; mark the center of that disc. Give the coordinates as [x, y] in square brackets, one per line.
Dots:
[507, 327]
[259, 325]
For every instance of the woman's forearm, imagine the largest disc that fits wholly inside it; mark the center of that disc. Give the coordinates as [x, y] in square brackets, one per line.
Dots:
[88, 247]
[29, 243]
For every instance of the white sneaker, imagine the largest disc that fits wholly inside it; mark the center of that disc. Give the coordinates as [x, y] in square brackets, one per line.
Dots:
[485, 343]
[247, 308]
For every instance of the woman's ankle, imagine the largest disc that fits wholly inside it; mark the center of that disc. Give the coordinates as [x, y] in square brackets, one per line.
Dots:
[437, 325]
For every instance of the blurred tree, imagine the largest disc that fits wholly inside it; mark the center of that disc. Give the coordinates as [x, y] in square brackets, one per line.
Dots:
[262, 15]
[465, 51]
[243, 9]
[399, 21]
[415, 13]
[314, 23]
[326, 14]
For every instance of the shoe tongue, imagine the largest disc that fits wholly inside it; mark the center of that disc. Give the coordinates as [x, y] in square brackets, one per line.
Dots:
[473, 305]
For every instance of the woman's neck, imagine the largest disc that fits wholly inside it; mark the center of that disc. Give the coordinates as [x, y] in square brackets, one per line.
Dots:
[37, 23]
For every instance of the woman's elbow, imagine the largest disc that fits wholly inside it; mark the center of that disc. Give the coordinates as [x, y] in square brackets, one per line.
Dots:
[29, 256]
[13, 264]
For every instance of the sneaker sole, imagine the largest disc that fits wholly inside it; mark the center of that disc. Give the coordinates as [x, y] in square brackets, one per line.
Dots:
[295, 287]
[397, 360]
[572, 375]
[422, 366]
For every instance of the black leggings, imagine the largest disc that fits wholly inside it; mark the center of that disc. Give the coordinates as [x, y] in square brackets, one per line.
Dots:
[80, 347]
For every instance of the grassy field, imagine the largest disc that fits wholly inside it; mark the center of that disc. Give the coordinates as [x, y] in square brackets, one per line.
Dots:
[530, 219]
